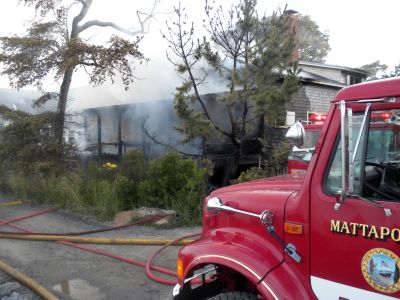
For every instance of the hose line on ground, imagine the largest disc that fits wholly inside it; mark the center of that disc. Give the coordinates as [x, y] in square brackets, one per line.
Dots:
[103, 253]
[150, 260]
[32, 284]
[96, 240]
[26, 217]
[11, 203]
[149, 219]
[148, 265]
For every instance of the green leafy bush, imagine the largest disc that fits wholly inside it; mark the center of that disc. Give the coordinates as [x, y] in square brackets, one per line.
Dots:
[188, 207]
[251, 174]
[167, 176]
[170, 182]
[134, 166]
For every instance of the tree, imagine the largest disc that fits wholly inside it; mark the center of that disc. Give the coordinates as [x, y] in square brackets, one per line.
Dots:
[252, 56]
[26, 144]
[394, 73]
[313, 44]
[53, 46]
[375, 70]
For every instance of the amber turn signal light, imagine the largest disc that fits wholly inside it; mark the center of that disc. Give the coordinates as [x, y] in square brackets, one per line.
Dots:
[179, 269]
[293, 228]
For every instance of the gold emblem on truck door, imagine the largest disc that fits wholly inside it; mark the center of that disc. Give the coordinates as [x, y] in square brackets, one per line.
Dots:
[380, 268]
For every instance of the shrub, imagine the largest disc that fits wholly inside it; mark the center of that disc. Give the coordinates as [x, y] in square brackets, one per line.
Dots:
[251, 174]
[188, 207]
[274, 166]
[134, 166]
[127, 192]
[100, 197]
[171, 182]
[174, 183]
[167, 176]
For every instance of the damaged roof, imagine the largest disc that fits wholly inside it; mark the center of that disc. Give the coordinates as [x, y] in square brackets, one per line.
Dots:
[309, 77]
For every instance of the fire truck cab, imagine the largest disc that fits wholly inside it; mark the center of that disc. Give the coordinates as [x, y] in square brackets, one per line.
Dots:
[330, 233]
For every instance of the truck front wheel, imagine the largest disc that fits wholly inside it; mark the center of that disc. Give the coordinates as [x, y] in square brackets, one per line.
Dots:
[234, 296]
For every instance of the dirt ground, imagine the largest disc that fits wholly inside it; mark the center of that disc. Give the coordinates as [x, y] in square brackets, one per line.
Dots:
[75, 274]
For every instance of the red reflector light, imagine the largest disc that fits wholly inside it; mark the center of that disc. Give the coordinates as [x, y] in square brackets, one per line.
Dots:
[380, 116]
[386, 115]
[317, 118]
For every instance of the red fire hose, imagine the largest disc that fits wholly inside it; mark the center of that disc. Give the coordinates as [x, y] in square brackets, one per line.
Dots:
[150, 260]
[147, 265]
[26, 217]
[153, 218]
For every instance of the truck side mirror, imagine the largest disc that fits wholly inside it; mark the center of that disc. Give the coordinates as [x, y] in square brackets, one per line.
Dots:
[296, 134]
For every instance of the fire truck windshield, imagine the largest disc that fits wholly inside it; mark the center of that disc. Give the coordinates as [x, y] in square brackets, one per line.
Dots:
[381, 176]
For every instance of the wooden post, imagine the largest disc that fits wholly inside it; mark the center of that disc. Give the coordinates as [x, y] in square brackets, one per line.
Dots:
[119, 120]
[99, 145]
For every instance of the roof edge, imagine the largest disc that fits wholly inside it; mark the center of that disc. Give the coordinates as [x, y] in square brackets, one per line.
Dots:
[327, 66]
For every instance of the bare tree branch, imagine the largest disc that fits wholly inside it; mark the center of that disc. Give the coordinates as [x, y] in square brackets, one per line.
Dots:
[83, 2]
[142, 23]
[154, 138]
[92, 23]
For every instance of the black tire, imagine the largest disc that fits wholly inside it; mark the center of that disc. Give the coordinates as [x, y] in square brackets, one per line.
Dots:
[234, 296]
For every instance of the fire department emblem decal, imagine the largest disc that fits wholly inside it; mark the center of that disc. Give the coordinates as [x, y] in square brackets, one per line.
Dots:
[380, 268]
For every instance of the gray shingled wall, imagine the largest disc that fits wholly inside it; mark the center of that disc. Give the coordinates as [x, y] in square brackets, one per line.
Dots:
[333, 74]
[320, 97]
[312, 98]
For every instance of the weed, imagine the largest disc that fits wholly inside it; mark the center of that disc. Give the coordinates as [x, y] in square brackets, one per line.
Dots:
[170, 182]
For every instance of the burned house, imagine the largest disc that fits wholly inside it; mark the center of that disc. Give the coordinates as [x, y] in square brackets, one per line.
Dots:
[111, 131]
[151, 126]
[117, 129]
[147, 126]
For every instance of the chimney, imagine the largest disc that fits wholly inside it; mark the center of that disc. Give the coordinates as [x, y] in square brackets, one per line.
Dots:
[294, 23]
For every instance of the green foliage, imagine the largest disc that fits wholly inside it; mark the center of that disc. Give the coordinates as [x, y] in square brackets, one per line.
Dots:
[28, 144]
[375, 70]
[134, 166]
[43, 52]
[172, 182]
[188, 206]
[251, 55]
[132, 171]
[253, 58]
[314, 44]
[101, 197]
[251, 174]
[269, 168]
[70, 191]
[169, 175]
[54, 47]
[394, 73]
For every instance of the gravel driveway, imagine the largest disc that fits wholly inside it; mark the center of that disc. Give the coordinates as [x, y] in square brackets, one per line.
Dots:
[75, 274]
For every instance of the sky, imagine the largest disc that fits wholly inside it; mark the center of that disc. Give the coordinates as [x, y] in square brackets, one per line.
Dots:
[360, 32]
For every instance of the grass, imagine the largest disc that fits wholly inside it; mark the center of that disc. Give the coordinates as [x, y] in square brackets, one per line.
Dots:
[171, 182]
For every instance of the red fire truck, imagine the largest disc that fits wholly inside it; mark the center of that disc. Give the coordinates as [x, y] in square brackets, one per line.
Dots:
[330, 233]
[299, 158]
